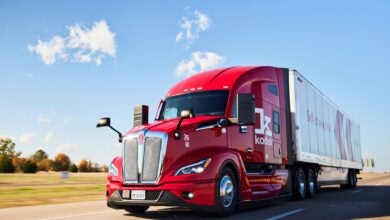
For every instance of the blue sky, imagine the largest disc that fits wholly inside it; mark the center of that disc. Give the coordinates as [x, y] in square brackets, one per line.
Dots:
[66, 64]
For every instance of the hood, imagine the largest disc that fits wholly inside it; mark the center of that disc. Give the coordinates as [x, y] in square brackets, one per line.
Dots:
[168, 126]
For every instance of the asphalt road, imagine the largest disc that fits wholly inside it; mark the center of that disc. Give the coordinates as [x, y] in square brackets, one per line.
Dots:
[371, 199]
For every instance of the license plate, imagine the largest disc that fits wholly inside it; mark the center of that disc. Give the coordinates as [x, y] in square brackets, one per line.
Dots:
[138, 194]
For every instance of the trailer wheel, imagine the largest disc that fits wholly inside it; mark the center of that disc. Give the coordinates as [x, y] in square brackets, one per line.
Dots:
[136, 209]
[299, 190]
[351, 180]
[226, 193]
[310, 183]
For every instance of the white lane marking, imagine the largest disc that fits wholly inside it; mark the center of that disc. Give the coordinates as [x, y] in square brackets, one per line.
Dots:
[356, 191]
[73, 216]
[285, 214]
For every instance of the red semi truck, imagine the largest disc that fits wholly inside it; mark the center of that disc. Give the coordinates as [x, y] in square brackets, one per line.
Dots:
[234, 135]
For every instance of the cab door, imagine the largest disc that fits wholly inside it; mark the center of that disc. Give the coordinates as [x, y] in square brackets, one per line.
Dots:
[240, 138]
[267, 146]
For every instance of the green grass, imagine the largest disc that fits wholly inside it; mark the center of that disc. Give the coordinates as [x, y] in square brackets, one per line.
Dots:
[48, 188]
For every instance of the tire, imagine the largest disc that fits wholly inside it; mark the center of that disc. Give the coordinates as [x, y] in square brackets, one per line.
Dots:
[310, 183]
[136, 209]
[299, 187]
[226, 193]
[354, 179]
[351, 180]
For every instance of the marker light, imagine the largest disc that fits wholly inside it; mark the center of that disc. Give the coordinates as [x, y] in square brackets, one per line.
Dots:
[112, 170]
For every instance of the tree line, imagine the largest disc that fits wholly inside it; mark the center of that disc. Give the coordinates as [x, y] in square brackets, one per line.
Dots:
[11, 161]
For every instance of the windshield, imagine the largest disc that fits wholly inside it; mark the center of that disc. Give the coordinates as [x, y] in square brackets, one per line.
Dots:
[199, 103]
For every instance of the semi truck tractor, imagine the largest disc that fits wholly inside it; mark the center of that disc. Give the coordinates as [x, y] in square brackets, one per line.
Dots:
[231, 136]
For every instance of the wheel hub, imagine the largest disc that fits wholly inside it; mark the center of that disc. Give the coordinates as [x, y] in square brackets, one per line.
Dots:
[226, 191]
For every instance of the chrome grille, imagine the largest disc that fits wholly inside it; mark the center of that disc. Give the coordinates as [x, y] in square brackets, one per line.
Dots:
[130, 159]
[143, 160]
[151, 158]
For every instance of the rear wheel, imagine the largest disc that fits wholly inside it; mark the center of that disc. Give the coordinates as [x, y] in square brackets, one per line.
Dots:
[136, 209]
[299, 190]
[310, 183]
[226, 193]
[351, 181]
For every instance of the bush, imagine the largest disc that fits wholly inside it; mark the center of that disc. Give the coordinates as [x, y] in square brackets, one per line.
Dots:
[28, 166]
[73, 168]
[6, 165]
[45, 165]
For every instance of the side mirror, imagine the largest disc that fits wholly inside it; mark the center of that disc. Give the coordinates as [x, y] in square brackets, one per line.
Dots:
[246, 109]
[185, 114]
[104, 122]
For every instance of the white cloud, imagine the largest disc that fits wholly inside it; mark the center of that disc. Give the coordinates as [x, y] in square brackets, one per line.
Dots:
[199, 61]
[68, 147]
[192, 27]
[27, 138]
[92, 44]
[45, 118]
[50, 51]
[203, 21]
[49, 137]
[82, 45]
[42, 119]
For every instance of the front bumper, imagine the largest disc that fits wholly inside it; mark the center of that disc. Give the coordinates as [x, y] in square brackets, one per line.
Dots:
[168, 194]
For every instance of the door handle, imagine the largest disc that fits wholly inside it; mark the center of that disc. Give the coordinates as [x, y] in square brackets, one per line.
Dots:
[249, 150]
[243, 129]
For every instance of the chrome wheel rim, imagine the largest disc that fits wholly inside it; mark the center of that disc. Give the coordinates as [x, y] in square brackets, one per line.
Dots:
[311, 186]
[301, 184]
[226, 191]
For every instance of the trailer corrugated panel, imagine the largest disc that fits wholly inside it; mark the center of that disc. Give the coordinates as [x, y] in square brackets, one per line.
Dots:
[323, 134]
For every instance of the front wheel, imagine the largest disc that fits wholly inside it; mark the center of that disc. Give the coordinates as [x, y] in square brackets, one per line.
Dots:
[136, 209]
[226, 193]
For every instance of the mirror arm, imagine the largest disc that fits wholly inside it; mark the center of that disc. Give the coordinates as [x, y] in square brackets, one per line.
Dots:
[119, 134]
[177, 131]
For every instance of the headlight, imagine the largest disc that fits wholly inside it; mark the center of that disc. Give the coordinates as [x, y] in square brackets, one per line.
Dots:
[112, 170]
[198, 167]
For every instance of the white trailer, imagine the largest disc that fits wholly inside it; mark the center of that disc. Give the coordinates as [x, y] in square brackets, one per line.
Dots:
[323, 134]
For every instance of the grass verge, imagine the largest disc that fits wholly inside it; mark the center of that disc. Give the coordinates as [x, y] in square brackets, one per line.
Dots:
[49, 188]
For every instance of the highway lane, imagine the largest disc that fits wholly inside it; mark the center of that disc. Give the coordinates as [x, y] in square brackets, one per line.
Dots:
[371, 199]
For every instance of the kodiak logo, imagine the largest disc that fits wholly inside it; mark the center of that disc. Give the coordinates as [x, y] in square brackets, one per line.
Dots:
[264, 132]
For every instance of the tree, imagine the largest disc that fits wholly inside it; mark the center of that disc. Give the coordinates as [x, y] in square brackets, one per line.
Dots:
[39, 156]
[84, 166]
[7, 153]
[73, 168]
[17, 163]
[45, 165]
[28, 166]
[61, 162]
